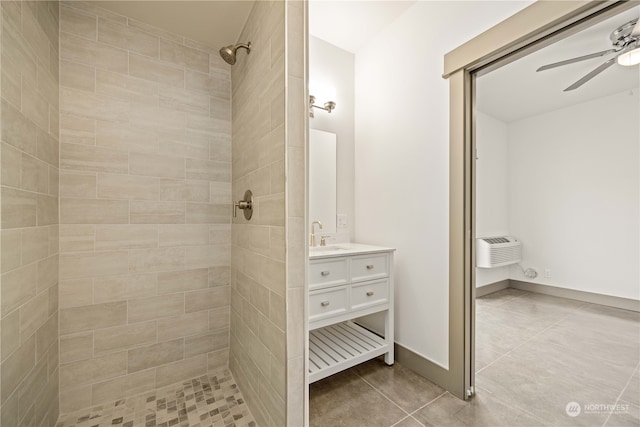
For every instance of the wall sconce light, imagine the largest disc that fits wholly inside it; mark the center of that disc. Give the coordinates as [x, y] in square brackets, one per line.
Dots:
[328, 106]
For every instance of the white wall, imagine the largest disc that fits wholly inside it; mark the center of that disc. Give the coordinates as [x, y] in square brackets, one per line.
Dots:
[574, 195]
[333, 66]
[491, 189]
[401, 157]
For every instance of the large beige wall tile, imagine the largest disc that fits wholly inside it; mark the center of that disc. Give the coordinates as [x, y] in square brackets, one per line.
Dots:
[35, 175]
[75, 293]
[74, 21]
[156, 71]
[182, 100]
[207, 213]
[128, 385]
[10, 334]
[156, 165]
[76, 347]
[120, 288]
[88, 211]
[177, 371]
[162, 259]
[184, 235]
[112, 186]
[155, 355]
[124, 337]
[18, 287]
[126, 88]
[94, 159]
[171, 328]
[206, 299]
[184, 190]
[91, 317]
[152, 212]
[112, 237]
[122, 135]
[88, 52]
[17, 129]
[33, 314]
[128, 38]
[19, 208]
[16, 367]
[89, 371]
[206, 343]
[77, 238]
[77, 130]
[180, 281]
[144, 309]
[185, 56]
[11, 249]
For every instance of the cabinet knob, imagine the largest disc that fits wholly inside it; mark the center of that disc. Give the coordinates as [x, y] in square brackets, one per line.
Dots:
[325, 273]
[370, 293]
[325, 303]
[370, 267]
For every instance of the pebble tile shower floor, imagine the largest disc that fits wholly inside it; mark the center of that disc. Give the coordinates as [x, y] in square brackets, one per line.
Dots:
[207, 401]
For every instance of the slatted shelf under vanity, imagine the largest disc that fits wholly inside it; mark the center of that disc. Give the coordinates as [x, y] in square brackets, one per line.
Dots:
[341, 346]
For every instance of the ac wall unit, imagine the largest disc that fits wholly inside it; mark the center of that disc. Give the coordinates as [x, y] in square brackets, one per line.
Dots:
[497, 251]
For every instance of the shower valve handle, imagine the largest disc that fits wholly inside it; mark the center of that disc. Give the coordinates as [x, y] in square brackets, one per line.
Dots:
[245, 204]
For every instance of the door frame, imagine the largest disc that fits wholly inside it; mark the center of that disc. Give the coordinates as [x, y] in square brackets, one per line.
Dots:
[534, 27]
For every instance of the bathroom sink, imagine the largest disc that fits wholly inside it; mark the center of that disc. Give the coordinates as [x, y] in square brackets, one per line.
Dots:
[326, 248]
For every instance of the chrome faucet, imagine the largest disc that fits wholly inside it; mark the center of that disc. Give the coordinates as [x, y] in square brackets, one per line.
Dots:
[313, 232]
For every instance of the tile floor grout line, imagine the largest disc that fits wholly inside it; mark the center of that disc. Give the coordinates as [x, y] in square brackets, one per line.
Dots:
[381, 393]
[428, 403]
[621, 393]
[523, 343]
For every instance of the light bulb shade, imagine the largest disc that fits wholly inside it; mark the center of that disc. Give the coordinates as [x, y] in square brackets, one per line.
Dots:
[630, 58]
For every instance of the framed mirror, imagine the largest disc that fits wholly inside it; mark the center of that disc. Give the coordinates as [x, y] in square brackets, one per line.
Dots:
[322, 179]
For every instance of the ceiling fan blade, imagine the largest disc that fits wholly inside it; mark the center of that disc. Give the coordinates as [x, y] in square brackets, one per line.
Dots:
[578, 59]
[636, 29]
[592, 74]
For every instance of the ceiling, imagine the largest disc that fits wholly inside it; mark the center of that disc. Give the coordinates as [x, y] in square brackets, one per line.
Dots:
[516, 90]
[215, 23]
[351, 24]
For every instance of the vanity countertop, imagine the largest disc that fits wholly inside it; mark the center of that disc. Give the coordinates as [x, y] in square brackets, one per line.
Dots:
[341, 249]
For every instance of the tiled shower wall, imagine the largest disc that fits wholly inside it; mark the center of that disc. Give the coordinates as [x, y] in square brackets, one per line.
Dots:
[258, 313]
[29, 214]
[145, 191]
[267, 298]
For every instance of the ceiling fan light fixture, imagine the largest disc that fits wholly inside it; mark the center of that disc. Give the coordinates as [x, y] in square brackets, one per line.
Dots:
[630, 58]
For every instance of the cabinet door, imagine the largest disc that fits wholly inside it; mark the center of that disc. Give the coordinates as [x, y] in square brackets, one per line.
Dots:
[328, 302]
[327, 272]
[367, 267]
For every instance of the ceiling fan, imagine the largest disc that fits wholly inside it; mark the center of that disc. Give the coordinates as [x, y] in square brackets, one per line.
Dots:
[626, 44]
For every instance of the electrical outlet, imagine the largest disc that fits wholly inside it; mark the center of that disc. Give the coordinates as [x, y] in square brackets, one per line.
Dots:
[547, 273]
[342, 221]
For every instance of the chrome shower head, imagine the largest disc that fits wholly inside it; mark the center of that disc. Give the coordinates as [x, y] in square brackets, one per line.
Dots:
[228, 53]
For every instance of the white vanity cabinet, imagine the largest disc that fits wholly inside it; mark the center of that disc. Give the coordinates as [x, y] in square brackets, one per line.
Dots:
[346, 282]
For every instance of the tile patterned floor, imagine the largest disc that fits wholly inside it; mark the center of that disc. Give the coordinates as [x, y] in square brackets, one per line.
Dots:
[212, 400]
[535, 354]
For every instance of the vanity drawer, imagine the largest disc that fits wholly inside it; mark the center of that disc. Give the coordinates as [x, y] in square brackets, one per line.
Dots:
[366, 267]
[328, 302]
[370, 293]
[328, 272]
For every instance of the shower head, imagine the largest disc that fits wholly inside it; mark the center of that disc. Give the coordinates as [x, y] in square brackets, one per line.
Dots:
[228, 53]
